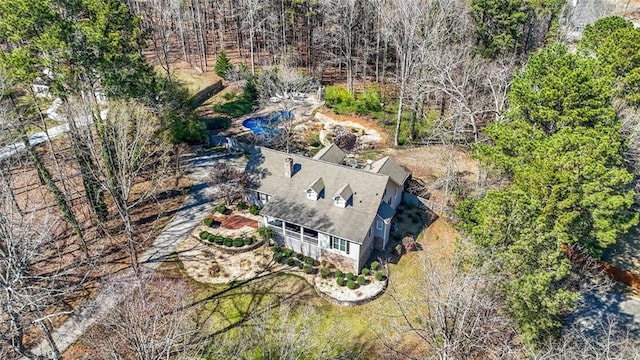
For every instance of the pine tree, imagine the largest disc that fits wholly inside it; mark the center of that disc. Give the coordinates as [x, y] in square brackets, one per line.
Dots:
[222, 64]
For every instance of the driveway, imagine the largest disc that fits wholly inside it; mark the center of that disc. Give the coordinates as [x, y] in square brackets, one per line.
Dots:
[40, 137]
[198, 202]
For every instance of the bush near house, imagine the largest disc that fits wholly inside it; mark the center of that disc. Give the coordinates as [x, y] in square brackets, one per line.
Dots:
[241, 205]
[379, 276]
[309, 260]
[375, 265]
[360, 280]
[208, 221]
[308, 269]
[299, 256]
[351, 284]
[253, 210]
[228, 242]
[287, 252]
[211, 238]
[365, 271]
[325, 272]
[349, 276]
[340, 281]
[203, 235]
[238, 242]
[249, 240]
[338, 274]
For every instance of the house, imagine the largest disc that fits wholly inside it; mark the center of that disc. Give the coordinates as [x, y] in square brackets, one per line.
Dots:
[325, 210]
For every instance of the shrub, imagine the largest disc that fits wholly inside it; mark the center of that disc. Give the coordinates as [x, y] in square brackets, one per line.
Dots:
[299, 256]
[290, 261]
[241, 205]
[222, 208]
[248, 240]
[217, 123]
[369, 101]
[204, 235]
[379, 276]
[300, 265]
[307, 269]
[325, 272]
[229, 96]
[208, 221]
[238, 243]
[323, 262]
[360, 280]
[339, 99]
[266, 233]
[365, 272]
[211, 238]
[222, 64]
[253, 210]
[349, 276]
[276, 249]
[338, 274]
[219, 240]
[228, 242]
[340, 281]
[287, 252]
[351, 284]
[277, 257]
[309, 260]
[375, 265]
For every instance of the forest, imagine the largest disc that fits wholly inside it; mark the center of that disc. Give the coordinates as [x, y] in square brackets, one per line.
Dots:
[552, 125]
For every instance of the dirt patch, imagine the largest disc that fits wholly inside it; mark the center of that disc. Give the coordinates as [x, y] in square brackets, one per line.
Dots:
[374, 134]
[431, 165]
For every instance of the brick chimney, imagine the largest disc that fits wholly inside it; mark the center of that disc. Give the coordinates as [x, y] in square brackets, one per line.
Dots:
[288, 167]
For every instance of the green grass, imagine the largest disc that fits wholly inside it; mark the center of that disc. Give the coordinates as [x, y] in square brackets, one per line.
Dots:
[235, 108]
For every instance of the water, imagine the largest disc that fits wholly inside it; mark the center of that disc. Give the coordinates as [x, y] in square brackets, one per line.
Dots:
[267, 125]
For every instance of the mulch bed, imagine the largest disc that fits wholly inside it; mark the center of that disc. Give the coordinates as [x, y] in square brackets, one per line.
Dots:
[235, 222]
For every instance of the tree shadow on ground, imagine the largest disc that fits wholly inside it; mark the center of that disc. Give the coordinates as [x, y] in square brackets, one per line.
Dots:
[411, 221]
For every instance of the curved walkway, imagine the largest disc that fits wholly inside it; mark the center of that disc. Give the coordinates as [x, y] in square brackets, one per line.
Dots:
[195, 205]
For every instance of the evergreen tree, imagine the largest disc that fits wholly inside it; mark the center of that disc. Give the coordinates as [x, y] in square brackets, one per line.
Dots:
[223, 65]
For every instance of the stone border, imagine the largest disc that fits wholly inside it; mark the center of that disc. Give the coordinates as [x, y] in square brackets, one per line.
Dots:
[339, 302]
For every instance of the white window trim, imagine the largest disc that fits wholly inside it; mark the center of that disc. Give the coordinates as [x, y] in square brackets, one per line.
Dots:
[342, 244]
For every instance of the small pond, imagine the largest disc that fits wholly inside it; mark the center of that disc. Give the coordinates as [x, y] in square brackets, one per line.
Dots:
[266, 125]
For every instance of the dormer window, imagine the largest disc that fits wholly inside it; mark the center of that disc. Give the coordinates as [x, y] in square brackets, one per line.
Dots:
[315, 189]
[342, 197]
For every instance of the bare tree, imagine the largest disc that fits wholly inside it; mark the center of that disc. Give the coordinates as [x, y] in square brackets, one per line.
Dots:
[31, 294]
[456, 313]
[607, 339]
[230, 181]
[151, 323]
[137, 151]
[342, 31]
[403, 24]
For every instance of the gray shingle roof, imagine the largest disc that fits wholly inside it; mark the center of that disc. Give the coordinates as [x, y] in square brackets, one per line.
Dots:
[317, 185]
[331, 153]
[389, 167]
[289, 202]
[344, 192]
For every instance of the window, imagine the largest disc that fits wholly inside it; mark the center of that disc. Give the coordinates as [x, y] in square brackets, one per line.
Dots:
[312, 195]
[339, 244]
[379, 225]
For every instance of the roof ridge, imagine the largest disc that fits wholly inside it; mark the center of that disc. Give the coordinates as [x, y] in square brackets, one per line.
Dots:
[323, 161]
